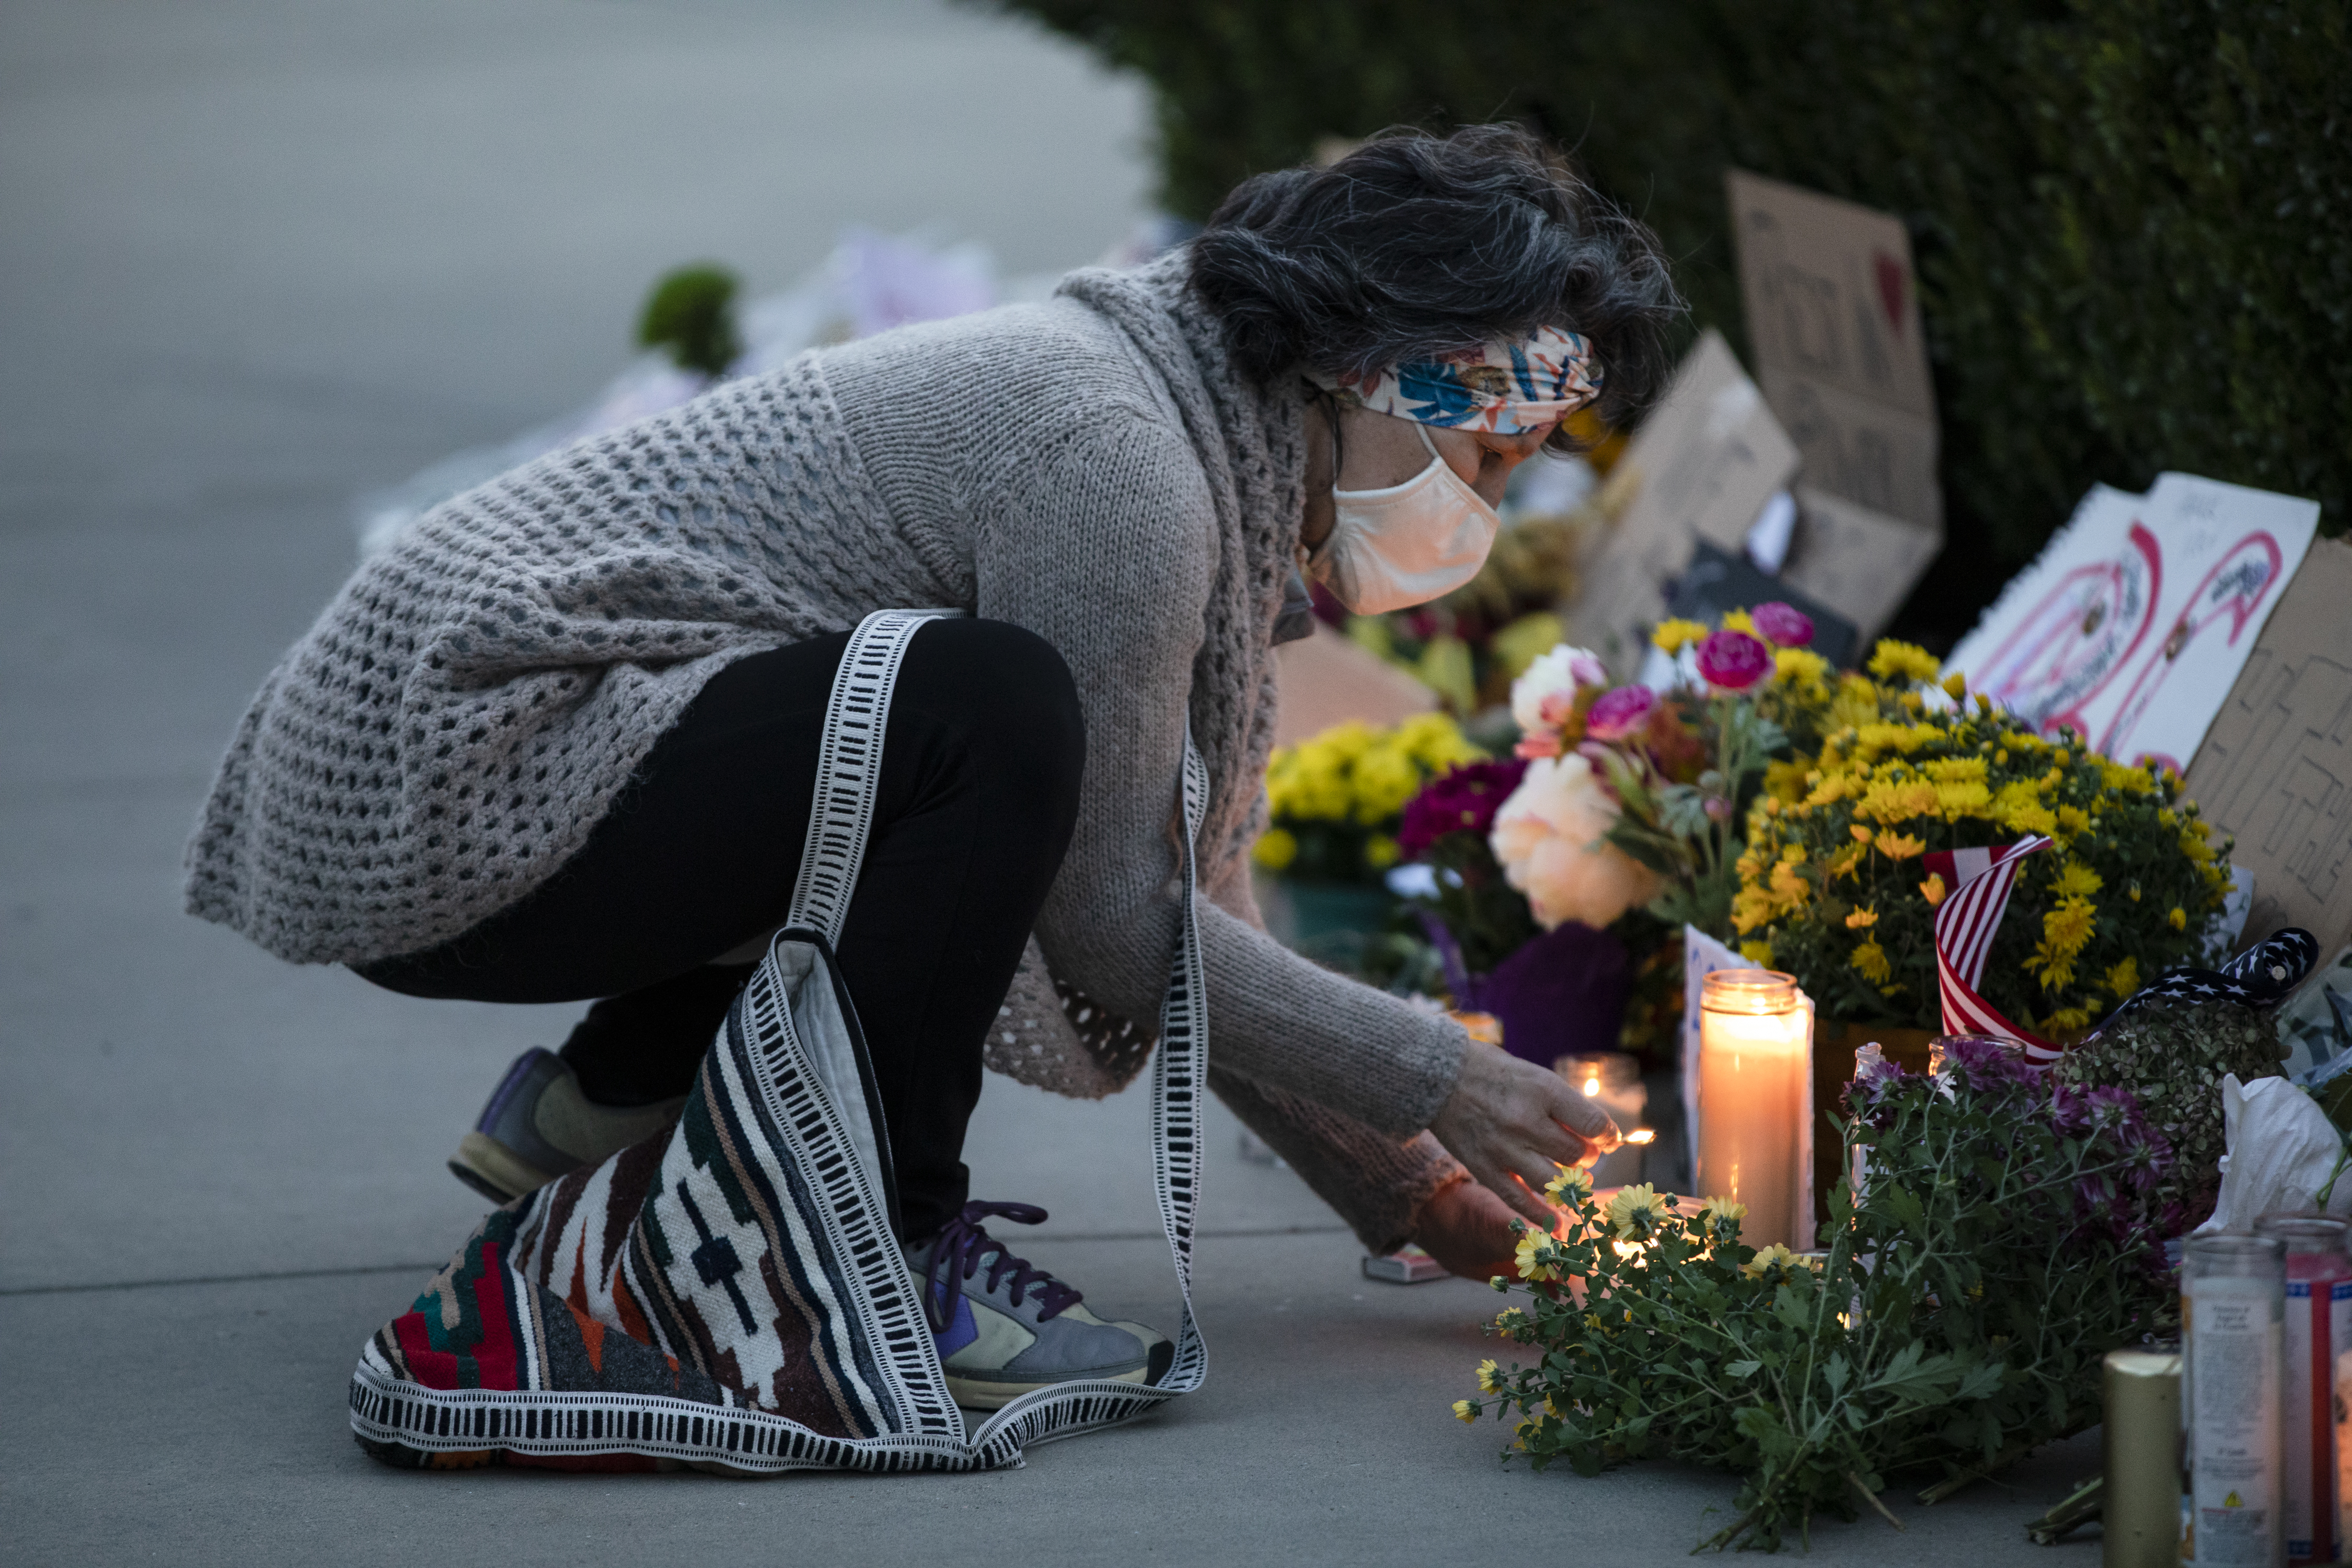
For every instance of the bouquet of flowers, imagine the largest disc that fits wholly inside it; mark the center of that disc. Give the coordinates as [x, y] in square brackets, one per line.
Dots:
[1336, 800]
[2013, 1239]
[1632, 798]
[1832, 888]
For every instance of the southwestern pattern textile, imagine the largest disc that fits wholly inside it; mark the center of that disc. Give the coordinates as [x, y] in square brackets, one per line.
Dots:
[729, 1294]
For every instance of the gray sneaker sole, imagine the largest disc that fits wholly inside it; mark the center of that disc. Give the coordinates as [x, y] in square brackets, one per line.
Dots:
[493, 1170]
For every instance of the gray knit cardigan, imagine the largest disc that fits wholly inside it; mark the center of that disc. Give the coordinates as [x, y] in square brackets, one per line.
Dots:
[1091, 468]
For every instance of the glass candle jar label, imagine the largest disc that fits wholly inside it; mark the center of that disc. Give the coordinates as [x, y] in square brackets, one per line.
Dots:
[2318, 1325]
[2235, 1339]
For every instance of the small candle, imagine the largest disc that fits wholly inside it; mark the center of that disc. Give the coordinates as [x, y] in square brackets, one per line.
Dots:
[1613, 1080]
[1755, 1100]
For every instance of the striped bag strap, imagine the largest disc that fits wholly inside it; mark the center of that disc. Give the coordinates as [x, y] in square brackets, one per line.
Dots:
[849, 769]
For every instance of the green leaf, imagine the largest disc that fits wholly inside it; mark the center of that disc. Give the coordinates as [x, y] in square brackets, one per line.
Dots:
[1743, 1368]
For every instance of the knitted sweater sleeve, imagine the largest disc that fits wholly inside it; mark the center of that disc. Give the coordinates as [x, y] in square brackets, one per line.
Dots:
[1108, 548]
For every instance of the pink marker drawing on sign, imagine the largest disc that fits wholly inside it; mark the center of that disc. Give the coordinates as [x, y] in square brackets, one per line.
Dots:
[2077, 638]
[2235, 588]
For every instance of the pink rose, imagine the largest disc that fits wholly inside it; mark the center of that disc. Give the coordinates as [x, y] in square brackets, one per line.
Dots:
[1733, 661]
[1782, 626]
[1617, 714]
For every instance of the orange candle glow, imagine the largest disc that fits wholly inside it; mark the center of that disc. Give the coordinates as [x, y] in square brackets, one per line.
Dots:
[1755, 1102]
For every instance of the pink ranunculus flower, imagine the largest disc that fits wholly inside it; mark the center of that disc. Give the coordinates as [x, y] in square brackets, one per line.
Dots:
[1617, 714]
[1782, 626]
[1549, 837]
[1733, 661]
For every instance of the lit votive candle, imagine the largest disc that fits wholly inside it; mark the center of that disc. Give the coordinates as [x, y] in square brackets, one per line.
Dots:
[1755, 1089]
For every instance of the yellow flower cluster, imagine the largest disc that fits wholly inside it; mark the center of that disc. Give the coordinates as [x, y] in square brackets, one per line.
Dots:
[1828, 881]
[1353, 773]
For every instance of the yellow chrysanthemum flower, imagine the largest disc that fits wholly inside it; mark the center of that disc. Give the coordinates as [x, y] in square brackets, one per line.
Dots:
[2068, 925]
[2076, 880]
[1636, 1210]
[2066, 1021]
[1758, 954]
[1675, 634]
[1740, 621]
[1530, 1265]
[1572, 1179]
[1776, 1255]
[1785, 782]
[1799, 667]
[1891, 801]
[1892, 661]
[1956, 686]
[1954, 770]
[2073, 821]
[1276, 848]
[1861, 918]
[1900, 846]
[1870, 958]
[1465, 1411]
[1933, 889]
[1751, 906]
[2124, 978]
[2179, 918]
[1490, 1377]
[1788, 888]
[1964, 797]
[1722, 1211]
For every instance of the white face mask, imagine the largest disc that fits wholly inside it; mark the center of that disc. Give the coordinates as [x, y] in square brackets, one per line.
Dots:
[1407, 544]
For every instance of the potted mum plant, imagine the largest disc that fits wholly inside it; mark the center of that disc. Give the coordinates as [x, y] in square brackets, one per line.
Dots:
[1335, 804]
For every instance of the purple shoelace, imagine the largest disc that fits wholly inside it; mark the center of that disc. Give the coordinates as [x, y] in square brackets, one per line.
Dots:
[963, 1245]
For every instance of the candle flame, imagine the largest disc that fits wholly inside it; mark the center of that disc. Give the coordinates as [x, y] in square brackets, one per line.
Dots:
[1592, 1086]
[1642, 1135]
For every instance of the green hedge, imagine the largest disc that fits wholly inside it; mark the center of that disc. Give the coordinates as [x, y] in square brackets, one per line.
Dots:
[2132, 219]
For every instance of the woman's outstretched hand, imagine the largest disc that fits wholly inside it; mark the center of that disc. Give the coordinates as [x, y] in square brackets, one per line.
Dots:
[1468, 1229]
[1513, 1125]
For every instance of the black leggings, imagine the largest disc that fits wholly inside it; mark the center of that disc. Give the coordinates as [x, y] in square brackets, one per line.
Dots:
[978, 793]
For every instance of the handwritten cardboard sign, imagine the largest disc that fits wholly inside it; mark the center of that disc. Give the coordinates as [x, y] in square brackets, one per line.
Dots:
[1700, 468]
[2275, 768]
[1834, 316]
[2139, 613]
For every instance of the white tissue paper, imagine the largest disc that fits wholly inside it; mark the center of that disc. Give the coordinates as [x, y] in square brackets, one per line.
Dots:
[2282, 1151]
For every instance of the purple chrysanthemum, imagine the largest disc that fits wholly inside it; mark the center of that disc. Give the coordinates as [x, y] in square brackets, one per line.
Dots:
[1462, 799]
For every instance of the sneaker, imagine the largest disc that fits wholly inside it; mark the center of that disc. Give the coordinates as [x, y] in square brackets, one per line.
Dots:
[538, 1126]
[1005, 1327]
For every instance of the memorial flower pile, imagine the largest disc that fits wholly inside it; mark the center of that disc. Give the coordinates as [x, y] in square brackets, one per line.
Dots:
[1834, 887]
[2013, 1231]
[1632, 798]
[1336, 802]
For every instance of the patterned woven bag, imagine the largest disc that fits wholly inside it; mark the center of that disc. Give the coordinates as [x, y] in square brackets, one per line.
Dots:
[729, 1294]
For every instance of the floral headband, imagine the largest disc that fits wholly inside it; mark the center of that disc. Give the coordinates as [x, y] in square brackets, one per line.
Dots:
[1507, 388]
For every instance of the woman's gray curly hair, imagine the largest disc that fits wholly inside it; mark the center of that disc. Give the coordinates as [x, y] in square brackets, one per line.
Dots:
[1415, 245]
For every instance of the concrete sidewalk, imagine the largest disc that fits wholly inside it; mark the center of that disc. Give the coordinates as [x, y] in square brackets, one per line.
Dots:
[263, 253]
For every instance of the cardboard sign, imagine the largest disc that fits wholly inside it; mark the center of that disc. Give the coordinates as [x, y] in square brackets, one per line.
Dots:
[2275, 768]
[1830, 295]
[1700, 468]
[1863, 561]
[1834, 316]
[2132, 625]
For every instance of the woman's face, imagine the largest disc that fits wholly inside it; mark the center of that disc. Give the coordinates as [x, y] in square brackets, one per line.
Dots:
[1378, 450]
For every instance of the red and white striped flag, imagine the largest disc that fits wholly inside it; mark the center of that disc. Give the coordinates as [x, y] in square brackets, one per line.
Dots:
[1965, 922]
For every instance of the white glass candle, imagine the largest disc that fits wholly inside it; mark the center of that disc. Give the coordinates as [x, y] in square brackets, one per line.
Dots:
[1755, 1097]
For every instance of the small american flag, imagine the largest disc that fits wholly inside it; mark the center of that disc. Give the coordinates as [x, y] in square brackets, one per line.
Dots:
[1965, 922]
